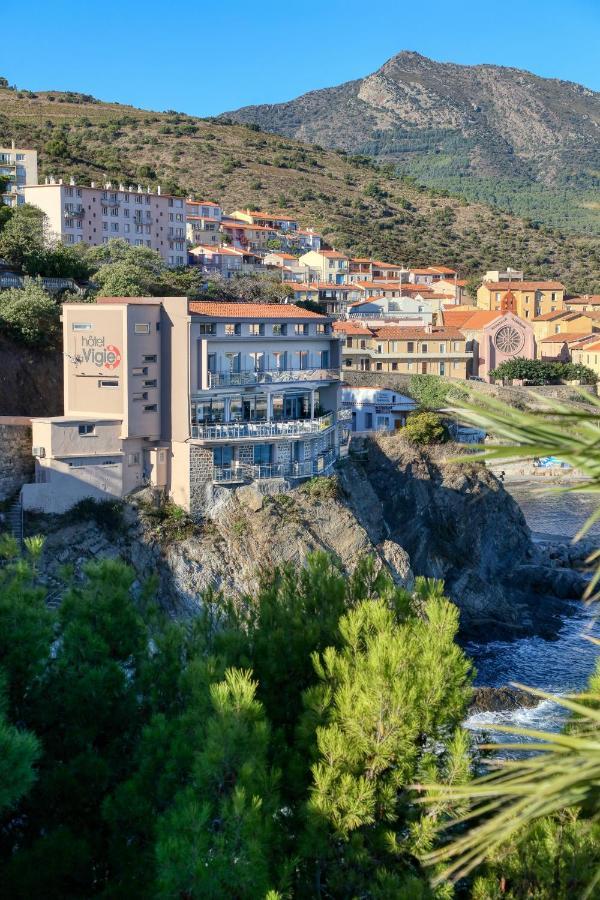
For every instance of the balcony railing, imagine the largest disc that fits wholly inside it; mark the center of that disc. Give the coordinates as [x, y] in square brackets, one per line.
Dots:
[239, 473]
[74, 213]
[271, 376]
[236, 430]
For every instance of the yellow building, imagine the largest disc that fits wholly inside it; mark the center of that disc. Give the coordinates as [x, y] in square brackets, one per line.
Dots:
[330, 265]
[588, 354]
[563, 321]
[404, 350]
[526, 299]
[558, 347]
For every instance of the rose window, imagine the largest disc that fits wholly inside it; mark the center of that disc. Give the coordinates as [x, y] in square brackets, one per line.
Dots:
[508, 340]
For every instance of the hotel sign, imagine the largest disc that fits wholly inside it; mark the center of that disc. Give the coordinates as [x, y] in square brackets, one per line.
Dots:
[95, 351]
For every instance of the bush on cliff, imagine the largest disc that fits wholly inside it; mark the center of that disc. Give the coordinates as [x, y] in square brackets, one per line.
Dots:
[538, 371]
[432, 392]
[30, 315]
[265, 749]
[425, 428]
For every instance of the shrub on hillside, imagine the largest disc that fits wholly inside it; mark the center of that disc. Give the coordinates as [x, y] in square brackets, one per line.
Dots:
[432, 392]
[425, 428]
[538, 371]
[30, 315]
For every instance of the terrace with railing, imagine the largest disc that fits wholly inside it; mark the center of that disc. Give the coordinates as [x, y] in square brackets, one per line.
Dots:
[240, 473]
[271, 376]
[228, 431]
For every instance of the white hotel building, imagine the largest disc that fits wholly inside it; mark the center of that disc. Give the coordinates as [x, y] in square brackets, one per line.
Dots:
[189, 397]
[93, 215]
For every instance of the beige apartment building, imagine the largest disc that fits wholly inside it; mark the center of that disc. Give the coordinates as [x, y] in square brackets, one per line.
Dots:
[203, 223]
[329, 265]
[93, 215]
[404, 350]
[18, 167]
[188, 397]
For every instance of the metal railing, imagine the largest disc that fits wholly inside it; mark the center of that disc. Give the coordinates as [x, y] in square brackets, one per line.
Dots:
[271, 376]
[238, 430]
[75, 213]
[238, 473]
[52, 285]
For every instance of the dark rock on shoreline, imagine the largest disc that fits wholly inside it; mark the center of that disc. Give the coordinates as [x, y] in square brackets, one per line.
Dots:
[458, 523]
[503, 699]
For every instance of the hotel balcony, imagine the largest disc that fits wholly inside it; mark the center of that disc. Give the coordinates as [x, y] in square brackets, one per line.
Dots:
[238, 473]
[234, 431]
[270, 376]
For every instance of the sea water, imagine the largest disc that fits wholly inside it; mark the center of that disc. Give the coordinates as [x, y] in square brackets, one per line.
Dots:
[559, 666]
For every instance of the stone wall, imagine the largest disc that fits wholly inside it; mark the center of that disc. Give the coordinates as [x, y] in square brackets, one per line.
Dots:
[16, 462]
[516, 394]
[201, 486]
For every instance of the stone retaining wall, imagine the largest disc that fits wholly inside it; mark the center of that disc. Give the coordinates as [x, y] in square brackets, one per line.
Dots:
[516, 394]
[16, 461]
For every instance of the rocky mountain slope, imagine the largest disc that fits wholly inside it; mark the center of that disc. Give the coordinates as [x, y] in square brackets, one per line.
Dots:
[502, 135]
[416, 512]
[357, 205]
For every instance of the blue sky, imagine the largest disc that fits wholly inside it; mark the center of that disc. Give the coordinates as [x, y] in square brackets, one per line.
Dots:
[203, 58]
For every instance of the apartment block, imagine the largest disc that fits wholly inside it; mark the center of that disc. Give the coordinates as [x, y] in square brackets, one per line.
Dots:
[93, 215]
[332, 267]
[203, 222]
[404, 350]
[188, 397]
[18, 168]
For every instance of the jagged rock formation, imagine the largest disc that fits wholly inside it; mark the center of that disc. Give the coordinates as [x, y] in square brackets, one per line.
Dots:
[415, 511]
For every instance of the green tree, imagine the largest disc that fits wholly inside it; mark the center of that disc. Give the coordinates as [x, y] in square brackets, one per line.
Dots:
[24, 237]
[215, 841]
[538, 371]
[30, 315]
[19, 751]
[391, 693]
[424, 428]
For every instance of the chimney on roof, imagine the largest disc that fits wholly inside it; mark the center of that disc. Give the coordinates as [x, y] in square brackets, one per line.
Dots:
[158, 190]
[92, 184]
[72, 181]
[12, 145]
[121, 187]
[429, 328]
[139, 189]
[60, 181]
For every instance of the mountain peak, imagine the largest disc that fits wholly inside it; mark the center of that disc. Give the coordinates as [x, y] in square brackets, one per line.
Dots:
[524, 143]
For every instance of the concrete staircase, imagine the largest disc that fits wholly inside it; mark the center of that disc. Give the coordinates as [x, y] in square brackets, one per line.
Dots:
[14, 520]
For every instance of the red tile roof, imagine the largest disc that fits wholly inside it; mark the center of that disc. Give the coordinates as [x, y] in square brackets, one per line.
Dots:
[347, 327]
[216, 309]
[456, 317]
[565, 337]
[557, 314]
[437, 334]
[585, 346]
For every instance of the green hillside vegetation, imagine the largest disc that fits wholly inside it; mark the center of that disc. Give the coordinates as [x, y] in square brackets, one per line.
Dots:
[505, 136]
[268, 758]
[358, 206]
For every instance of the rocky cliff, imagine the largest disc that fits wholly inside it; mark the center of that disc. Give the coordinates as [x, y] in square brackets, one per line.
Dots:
[416, 512]
[30, 380]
